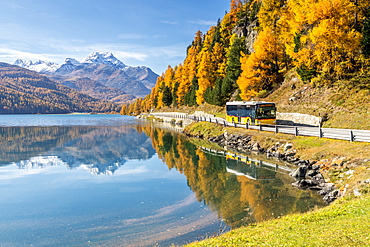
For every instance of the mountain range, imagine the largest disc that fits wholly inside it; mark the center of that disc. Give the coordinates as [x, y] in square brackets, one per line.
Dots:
[99, 75]
[23, 91]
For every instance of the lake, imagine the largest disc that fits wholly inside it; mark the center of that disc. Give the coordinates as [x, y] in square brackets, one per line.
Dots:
[110, 180]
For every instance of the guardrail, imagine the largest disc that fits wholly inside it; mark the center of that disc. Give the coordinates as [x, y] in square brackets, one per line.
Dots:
[340, 134]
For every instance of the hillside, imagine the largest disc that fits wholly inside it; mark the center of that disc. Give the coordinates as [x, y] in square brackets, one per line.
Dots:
[345, 104]
[27, 92]
[258, 46]
[95, 89]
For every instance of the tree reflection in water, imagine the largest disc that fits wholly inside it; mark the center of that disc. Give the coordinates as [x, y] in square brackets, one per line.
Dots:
[240, 191]
[256, 194]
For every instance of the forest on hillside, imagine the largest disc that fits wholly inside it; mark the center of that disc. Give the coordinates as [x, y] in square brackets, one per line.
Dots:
[247, 54]
[26, 92]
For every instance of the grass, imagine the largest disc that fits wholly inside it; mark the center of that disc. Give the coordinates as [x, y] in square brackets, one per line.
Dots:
[343, 223]
[204, 129]
[315, 148]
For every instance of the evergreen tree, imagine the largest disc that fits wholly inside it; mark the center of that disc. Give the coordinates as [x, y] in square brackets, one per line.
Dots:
[190, 98]
[167, 96]
[216, 93]
[233, 68]
[208, 96]
[174, 94]
[365, 42]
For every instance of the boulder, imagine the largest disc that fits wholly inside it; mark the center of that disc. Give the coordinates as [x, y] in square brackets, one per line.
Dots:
[300, 172]
[288, 146]
[256, 147]
[330, 197]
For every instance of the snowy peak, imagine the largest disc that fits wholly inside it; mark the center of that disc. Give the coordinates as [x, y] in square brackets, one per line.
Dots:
[38, 66]
[72, 61]
[98, 58]
[106, 58]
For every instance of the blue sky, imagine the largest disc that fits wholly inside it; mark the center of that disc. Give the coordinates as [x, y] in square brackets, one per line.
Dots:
[153, 33]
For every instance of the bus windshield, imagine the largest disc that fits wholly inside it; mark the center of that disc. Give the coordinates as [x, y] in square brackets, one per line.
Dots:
[266, 112]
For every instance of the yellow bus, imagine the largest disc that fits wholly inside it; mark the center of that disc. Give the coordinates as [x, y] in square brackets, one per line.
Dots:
[251, 112]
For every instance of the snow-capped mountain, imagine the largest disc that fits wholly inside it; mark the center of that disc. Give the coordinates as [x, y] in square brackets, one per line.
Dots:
[102, 67]
[38, 66]
[106, 58]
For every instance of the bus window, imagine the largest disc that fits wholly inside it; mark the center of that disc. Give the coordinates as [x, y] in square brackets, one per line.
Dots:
[265, 112]
[232, 110]
[244, 111]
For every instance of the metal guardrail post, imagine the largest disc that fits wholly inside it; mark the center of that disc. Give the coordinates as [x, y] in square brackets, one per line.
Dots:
[260, 127]
[296, 131]
[276, 129]
[351, 137]
[320, 132]
[246, 125]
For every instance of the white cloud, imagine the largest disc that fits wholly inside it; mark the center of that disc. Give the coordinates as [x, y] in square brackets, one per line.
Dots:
[10, 55]
[169, 22]
[203, 22]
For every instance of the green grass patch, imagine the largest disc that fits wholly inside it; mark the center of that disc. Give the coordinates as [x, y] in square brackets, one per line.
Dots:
[315, 148]
[308, 142]
[204, 129]
[343, 223]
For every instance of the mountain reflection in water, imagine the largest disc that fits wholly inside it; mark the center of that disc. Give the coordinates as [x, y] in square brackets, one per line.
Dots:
[101, 150]
[227, 191]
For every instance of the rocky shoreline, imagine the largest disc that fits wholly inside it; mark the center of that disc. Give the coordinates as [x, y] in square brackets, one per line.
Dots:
[307, 174]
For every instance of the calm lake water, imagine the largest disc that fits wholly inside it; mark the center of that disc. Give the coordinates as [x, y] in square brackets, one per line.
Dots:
[110, 180]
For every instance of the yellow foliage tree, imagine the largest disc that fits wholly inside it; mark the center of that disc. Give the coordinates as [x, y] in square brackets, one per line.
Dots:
[323, 39]
[189, 68]
[261, 69]
[270, 13]
[206, 69]
[219, 57]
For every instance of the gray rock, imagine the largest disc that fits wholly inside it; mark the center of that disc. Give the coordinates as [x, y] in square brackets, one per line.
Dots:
[300, 172]
[312, 173]
[256, 147]
[326, 188]
[288, 146]
[318, 179]
[330, 197]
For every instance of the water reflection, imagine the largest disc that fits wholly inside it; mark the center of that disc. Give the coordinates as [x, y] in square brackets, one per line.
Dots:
[146, 201]
[240, 189]
[98, 149]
